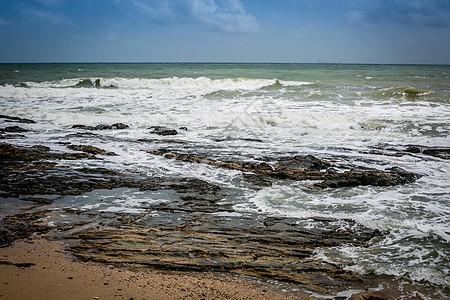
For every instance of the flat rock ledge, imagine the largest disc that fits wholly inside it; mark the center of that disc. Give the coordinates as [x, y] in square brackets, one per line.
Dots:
[260, 246]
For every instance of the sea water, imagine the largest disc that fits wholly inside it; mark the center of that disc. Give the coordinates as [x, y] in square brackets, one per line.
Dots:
[359, 113]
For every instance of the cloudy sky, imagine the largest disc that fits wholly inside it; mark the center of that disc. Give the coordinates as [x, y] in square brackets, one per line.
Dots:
[348, 31]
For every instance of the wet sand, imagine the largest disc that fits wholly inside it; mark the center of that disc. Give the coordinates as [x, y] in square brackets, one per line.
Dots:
[43, 270]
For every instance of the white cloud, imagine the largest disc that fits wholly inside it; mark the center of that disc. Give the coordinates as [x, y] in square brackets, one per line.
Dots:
[223, 15]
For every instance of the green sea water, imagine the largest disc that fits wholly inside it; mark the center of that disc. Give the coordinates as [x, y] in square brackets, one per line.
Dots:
[16, 73]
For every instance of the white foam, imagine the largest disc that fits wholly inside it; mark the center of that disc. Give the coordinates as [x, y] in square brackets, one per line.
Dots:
[280, 117]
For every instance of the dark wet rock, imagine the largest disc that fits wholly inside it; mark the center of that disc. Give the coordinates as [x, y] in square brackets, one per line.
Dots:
[88, 83]
[38, 200]
[392, 150]
[272, 169]
[35, 178]
[230, 139]
[31, 171]
[390, 177]
[10, 152]
[257, 179]
[17, 119]
[303, 168]
[81, 134]
[86, 127]
[371, 295]
[413, 149]
[85, 83]
[101, 126]
[90, 149]
[161, 130]
[11, 136]
[383, 152]
[304, 162]
[404, 176]
[15, 129]
[441, 152]
[21, 226]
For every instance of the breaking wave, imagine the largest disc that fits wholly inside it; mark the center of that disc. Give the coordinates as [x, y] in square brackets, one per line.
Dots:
[163, 88]
[170, 82]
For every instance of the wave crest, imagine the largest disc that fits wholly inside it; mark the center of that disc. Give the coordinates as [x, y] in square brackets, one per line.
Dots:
[174, 82]
[403, 92]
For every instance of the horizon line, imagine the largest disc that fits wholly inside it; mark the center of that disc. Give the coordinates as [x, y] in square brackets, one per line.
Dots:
[231, 62]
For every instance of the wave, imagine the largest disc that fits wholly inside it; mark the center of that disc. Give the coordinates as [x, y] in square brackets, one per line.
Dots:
[88, 83]
[169, 82]
[162, 88]
[402, 92]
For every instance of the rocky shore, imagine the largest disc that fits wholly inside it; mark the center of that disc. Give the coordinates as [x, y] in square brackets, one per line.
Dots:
[196, 231]
[43, 270]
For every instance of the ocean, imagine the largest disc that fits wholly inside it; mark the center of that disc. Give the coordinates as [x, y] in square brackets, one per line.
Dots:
[370, 116]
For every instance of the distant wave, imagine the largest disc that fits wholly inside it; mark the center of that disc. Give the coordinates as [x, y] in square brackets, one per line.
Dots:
[402, 92]
[163, 88]
[224, 83]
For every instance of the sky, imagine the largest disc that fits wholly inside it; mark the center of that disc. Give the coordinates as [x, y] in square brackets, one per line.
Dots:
[286, 31]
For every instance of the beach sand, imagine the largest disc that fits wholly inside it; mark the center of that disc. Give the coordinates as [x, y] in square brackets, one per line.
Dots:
[41, 269]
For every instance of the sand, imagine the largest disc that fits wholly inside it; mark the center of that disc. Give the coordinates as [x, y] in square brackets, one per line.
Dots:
[41, 269]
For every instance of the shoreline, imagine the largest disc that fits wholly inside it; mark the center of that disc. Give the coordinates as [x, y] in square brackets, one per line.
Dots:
[41, 269]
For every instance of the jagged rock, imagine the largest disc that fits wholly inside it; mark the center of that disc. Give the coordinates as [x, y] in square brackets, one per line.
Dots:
[86, 83]
[395, 150]
[304, 162]
[441, 152]
[101, 126]
[90, 149]
[161, 130]
[262, 168]
[305, 168]
[10, 152]
[393, 176]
